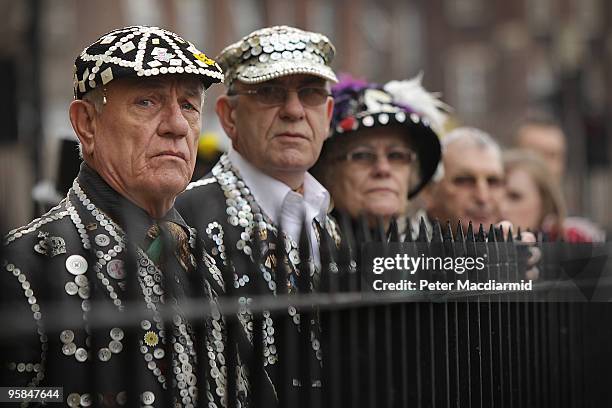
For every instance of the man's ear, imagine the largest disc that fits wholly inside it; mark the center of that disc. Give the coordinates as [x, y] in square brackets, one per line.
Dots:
[82, 116]
[329, 108]
[225, 109]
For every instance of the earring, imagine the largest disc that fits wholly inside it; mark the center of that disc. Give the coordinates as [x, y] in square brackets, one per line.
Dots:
[103, 95]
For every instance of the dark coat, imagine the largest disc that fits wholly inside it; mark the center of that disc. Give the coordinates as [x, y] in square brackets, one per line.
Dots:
[59, 268]
[227, 219]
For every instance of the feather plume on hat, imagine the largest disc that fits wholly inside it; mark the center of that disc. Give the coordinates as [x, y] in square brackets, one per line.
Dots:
[410, 93]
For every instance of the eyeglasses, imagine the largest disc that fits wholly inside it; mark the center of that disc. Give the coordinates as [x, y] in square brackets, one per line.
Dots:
[369, 158]
[273, 95]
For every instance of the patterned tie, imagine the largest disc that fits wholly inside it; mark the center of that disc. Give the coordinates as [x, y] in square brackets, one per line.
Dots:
[177, 238]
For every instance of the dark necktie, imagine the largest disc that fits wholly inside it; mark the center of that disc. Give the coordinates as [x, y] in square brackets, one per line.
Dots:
[177, 240]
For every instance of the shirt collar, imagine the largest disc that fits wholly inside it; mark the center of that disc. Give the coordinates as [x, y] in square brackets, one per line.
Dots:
[271, 193]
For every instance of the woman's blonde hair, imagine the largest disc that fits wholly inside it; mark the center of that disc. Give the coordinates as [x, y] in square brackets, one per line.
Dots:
[553, 205]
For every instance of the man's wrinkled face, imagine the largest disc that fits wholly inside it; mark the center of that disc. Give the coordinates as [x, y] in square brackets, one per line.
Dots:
[283, 138]
[146, 135]
[373, 175]
[472, 186]
[549, 143]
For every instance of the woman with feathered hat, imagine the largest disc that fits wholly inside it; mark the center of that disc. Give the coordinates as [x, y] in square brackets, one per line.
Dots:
[383, 147]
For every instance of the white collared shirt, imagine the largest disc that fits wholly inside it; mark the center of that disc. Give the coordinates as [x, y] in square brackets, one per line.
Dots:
[284, 206]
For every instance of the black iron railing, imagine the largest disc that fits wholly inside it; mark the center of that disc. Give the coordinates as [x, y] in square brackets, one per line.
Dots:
[551, 347]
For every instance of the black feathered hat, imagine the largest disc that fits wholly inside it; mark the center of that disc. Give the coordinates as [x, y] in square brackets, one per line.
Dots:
[362, 105]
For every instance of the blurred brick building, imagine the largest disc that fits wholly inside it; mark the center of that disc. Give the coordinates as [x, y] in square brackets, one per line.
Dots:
[492, 60]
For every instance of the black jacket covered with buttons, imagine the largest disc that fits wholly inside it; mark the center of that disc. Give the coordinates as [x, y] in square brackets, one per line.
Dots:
[82, 305]
[243, 252]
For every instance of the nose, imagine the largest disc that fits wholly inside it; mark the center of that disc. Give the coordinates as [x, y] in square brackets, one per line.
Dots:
[382, 167]
[292, 109]
[174, 123]
[482, 193]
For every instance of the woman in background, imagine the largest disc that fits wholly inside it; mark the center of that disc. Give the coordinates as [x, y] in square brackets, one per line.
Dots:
[383, 147]
[533, 200]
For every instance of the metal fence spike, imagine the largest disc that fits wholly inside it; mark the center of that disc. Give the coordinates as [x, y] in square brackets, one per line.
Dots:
[436, 235]
[422, 237]
[491, 237]
[480, 237]
[393, 233]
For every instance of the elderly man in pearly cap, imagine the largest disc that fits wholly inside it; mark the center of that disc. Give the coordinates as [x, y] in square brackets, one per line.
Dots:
[138, 94]
[276, 111]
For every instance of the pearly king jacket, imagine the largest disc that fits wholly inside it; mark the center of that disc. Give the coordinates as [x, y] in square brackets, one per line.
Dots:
[57, 269]
[226, 216]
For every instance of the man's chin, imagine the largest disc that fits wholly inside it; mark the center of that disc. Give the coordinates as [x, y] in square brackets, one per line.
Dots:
[168, 185]
[293, 164]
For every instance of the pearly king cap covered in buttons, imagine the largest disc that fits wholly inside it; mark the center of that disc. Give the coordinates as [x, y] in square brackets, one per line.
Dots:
[361, 105]
[274, 52]
[140, 51]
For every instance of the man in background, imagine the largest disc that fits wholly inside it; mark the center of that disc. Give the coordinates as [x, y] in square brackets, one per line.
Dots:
[544, 136]
[468, 186]
[276, 112]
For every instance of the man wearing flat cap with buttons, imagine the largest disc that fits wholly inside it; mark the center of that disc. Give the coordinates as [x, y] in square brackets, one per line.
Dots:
[277, 112]
[137, 110]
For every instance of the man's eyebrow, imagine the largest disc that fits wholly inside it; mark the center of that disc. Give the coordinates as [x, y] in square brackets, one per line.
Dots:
[464, 173]
[194, 90]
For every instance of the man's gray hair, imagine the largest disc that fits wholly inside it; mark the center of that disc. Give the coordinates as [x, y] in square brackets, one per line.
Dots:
[96, 98]
[465, 134]
[470, 134]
